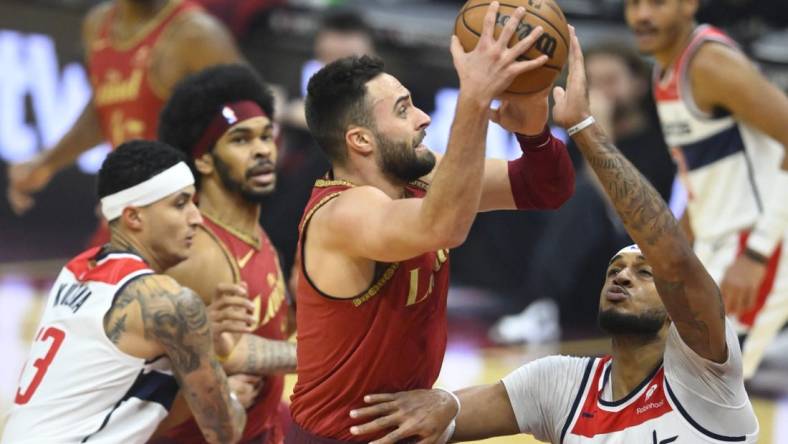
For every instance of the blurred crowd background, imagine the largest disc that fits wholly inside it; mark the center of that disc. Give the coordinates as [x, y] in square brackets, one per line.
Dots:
[521, 277]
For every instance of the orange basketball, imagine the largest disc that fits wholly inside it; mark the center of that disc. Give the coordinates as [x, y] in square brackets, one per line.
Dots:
[554, 42]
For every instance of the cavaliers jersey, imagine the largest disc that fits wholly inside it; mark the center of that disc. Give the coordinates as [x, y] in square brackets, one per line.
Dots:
[77, 386]
[686, 399]
[390, 338]
[254, 261]
[126, 100]
[727, 166]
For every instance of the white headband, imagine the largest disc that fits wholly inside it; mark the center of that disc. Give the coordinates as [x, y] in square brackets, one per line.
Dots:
[629, 249]
[145, 193]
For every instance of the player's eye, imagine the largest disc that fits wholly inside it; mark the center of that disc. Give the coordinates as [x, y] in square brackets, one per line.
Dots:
[612, 272]
[645, 272]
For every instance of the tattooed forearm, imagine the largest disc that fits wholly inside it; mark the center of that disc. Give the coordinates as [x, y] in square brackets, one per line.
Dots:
[175, 318]
[256, 355]
[688, 292]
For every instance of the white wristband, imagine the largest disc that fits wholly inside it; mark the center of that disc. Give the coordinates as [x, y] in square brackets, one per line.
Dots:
[585, 123]
[447, 434]
[772, 224]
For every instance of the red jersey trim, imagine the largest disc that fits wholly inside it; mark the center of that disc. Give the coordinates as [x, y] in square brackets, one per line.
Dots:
[110, 269]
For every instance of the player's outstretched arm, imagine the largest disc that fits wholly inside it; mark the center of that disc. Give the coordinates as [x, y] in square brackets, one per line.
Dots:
[260, 356]
[690, 295]
[486, 412]
[365, 222]
[175, 318]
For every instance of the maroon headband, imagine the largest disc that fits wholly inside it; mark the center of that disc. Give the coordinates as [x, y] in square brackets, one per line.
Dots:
[231, 114]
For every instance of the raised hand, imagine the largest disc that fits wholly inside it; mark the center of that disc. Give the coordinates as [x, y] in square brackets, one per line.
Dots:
[571, 104]
[24, 179]
[491, 67]
[522, 114]
[418, 413]
[230, 313]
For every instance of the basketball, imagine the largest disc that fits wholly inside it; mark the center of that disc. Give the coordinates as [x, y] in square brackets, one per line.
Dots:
[554, 42]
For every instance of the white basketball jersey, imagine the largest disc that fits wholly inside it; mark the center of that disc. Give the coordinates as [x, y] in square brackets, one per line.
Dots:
[77, 386]
[650, 414]
[728, 167]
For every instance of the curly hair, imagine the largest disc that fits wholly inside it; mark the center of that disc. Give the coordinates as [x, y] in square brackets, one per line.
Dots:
[197, 99]
[134, 162]
[336, 98]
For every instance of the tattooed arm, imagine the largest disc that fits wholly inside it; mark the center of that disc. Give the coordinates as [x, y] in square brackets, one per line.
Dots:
[261, 356]
[174, 317]
[691, 297]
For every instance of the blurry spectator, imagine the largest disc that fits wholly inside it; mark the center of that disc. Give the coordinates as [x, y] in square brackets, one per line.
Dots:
[572, 251]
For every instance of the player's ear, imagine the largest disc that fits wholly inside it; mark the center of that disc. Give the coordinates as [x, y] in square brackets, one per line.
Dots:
[204, 164]
[131, 218]
[359, 140]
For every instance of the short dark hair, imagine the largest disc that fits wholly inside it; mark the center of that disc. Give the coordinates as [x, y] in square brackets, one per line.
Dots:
[198, 98]
[631, 58]
[345, 21]
[336, 98]
[134, 162]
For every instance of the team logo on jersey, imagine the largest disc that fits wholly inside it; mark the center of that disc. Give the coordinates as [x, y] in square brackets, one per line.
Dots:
[651, 391]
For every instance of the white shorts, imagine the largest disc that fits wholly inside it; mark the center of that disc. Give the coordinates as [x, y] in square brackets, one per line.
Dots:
[770, 313]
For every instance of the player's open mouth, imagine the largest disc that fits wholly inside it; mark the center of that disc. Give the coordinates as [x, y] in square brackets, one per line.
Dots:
[262, 175]
[645, 33]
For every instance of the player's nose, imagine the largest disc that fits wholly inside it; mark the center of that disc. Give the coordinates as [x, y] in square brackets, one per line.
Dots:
[423, 119]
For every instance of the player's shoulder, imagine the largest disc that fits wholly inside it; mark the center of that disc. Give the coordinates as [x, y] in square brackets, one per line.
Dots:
[194, 24]
[556, 368]
[347, 205]
[208, 264]
[710, 56]
[156, 291]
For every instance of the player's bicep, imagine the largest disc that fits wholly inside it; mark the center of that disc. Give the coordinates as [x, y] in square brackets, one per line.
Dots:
[364, 222]
[486, 412]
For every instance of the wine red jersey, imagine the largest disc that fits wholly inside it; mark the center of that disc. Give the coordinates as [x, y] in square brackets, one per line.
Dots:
[254, 261]
[126, 101]
[390, 338]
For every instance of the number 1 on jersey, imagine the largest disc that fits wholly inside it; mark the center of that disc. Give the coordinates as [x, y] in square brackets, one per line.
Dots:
[42, 364]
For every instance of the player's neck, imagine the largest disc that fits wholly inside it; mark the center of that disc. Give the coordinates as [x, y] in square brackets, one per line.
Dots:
[229, 208]
[634, 359]
[371, 177]
[121, 242]
[669, 55]
[133, 12]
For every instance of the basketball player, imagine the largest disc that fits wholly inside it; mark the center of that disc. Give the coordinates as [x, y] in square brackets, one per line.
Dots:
[375, 234]
[136, 51]
[675, 373]
[729, 133]
[116, 334]
[222, 119]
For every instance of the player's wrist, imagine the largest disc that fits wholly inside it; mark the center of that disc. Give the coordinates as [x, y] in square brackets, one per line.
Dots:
[771, 226]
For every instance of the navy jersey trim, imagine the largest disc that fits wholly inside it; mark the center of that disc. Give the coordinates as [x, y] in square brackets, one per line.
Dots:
[719, 146]
[753, 185]
[578, 398]
[635, 391]
[694, 423]
[152, 386]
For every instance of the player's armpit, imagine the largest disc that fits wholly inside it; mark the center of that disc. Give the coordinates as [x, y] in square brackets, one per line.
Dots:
[175, 317]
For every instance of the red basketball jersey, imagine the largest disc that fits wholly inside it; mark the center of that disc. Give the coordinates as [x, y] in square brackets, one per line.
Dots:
[255, 262]
[126, 101]
[390, 338]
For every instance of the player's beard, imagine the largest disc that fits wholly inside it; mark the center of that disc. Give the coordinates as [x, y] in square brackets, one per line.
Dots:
[400, 161]
[645, 324]
[234, 186]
